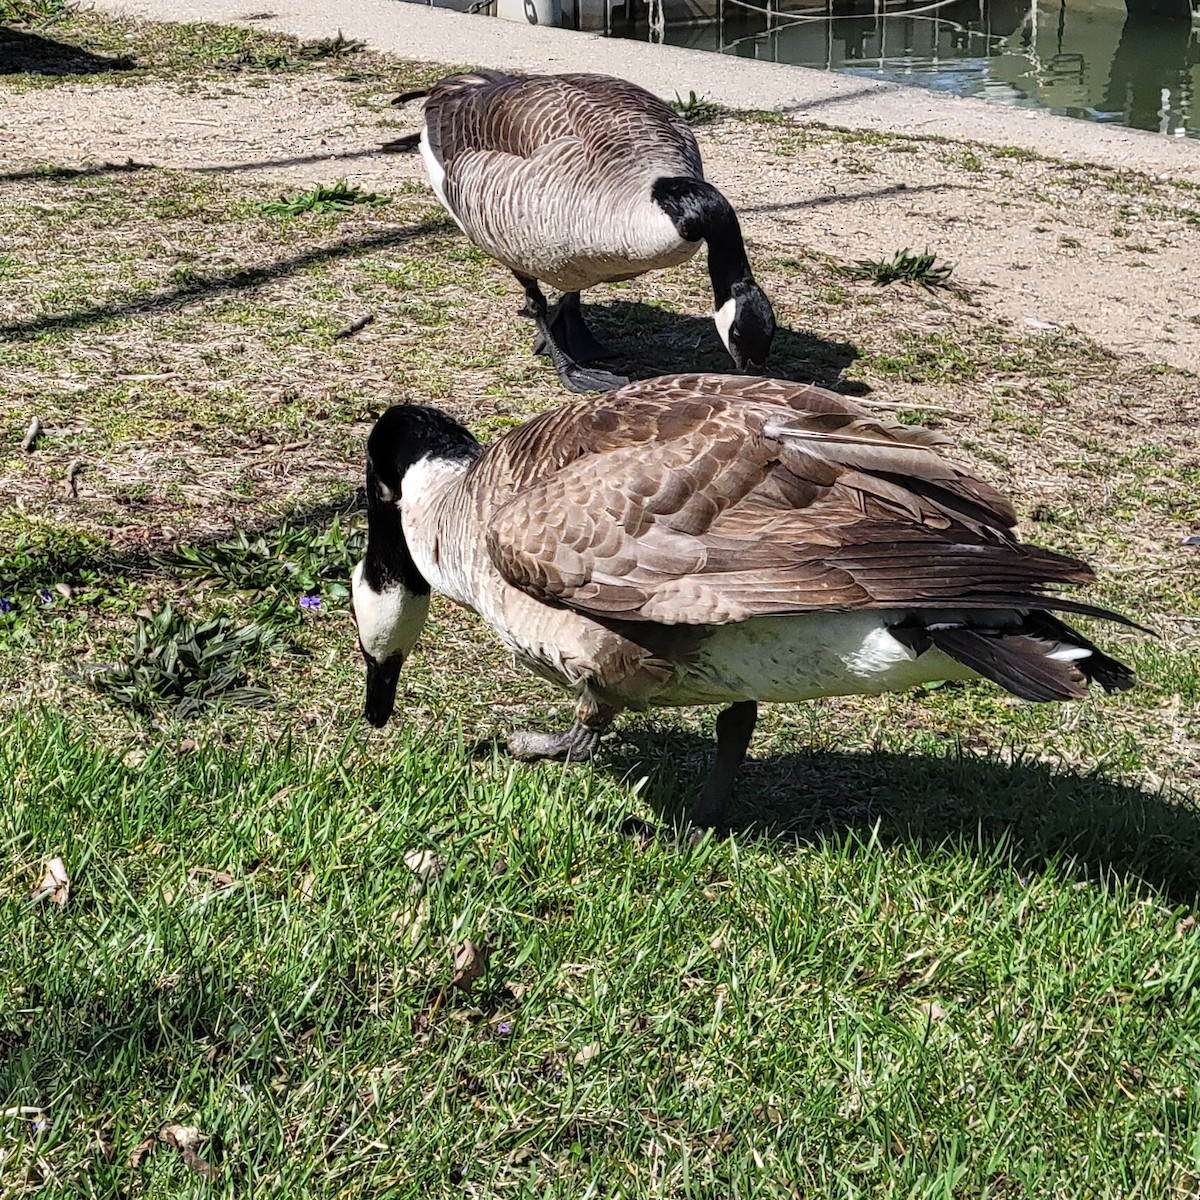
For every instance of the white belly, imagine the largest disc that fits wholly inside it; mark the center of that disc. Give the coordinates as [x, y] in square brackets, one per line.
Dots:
[803, 657]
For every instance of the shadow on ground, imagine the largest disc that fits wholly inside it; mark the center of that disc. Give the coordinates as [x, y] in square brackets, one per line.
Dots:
[650, 341]
[244, 279]
[1107, 828]
[22, 52]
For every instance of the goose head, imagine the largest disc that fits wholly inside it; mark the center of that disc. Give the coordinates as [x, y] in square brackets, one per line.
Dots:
[746, 323]
[409, 449]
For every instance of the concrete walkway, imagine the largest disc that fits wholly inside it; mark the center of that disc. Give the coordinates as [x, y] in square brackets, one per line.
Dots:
[437, 35]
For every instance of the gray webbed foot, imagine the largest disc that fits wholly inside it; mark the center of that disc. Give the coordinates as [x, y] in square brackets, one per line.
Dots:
[576, 744]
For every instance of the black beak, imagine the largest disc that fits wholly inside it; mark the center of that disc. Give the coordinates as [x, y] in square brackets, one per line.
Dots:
[381, 689]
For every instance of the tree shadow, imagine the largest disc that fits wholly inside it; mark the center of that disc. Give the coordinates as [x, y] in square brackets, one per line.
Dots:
[243, 279]
[1104, 828]
[883, 193]
[651, 341]
[77, 564]
[23, 53]
[54, 172]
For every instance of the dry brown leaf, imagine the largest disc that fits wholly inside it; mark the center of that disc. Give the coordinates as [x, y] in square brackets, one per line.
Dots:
[425, 865]
[55, 885]
[411, 921]
[185, 1139]
[1181, 927]
[470, 961]
[588, 1052]
[140, 1151]
[219, 879]
[931, 1009]
[132, 759]
[305, 887]
[718, 943]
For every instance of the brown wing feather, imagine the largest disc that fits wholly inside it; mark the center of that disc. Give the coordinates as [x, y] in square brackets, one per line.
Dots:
[517, 115]
[697, 500]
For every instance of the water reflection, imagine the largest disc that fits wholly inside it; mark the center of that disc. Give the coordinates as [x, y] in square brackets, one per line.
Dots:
[1097, 62]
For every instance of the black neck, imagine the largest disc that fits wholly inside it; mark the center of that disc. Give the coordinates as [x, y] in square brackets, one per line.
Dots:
[701, 213]
[403, 436]
[388, 560]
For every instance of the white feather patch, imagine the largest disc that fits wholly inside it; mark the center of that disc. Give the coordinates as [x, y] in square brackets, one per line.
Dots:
[437, 176]
[389, 622]
[1063, 653]
[723, 319]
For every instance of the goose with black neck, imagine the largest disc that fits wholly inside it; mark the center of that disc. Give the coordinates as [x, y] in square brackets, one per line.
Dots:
[710, 539]
[576, 180]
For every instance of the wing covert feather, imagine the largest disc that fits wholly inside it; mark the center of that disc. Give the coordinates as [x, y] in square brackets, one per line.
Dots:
[706, 499]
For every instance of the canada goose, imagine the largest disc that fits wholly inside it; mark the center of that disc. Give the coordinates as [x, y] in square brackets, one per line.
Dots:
[710, 539]
[576, 180]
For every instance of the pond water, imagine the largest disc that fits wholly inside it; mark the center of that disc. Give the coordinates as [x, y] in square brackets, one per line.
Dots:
[1093, 61]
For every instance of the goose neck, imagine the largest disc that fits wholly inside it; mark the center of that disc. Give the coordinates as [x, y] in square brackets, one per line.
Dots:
[701, 213]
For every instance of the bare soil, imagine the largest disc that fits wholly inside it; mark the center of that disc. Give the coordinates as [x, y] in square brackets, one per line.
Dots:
[1113, 254]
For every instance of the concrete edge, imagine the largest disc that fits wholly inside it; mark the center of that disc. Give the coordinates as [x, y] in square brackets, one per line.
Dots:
[414, 31]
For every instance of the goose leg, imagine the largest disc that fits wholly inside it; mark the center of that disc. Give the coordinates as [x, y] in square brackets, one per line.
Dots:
[735, 726]
[577, 744]
[536, 305]
[575, 377]
[572, 334]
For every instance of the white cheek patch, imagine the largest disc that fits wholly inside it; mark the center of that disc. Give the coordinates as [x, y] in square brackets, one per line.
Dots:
[389, 622]
[723, 319]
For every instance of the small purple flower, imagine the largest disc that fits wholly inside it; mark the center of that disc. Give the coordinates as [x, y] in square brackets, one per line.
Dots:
[310, 602]
[6, 605]
[45, 596]
[504, 1029]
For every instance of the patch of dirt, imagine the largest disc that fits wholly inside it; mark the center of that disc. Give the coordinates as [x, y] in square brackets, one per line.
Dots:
[1046, 244]
[180, 345]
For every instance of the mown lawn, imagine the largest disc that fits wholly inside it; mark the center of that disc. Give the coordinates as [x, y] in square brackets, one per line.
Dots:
[949, 949]
[260, 940]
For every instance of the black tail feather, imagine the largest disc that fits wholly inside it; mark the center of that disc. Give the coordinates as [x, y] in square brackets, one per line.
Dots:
[405, 97]
[1098, 667]
[402, 145]
[1017, 663]
[1018, 656]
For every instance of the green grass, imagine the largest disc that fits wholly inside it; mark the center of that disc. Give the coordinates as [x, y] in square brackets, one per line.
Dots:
[905, 267]
[944, 953]
[906, 1005]
[325, 197]
[696, 110]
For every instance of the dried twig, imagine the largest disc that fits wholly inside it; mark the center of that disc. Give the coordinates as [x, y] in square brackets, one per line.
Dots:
[71, 491]
[31, 434]
[354, 326]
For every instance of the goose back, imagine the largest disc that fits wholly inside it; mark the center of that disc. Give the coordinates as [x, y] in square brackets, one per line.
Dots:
[552, 174]
[704, 500]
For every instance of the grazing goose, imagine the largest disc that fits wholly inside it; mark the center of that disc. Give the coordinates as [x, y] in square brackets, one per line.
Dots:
[710, 539]
[576, 180]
